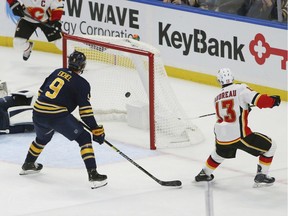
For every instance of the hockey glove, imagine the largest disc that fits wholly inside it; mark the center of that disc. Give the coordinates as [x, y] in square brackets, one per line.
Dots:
[56, 24]
[277, 100]
[17, 9]
[98, 134]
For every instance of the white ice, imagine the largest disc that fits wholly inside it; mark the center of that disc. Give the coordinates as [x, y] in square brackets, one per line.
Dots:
[62, 187]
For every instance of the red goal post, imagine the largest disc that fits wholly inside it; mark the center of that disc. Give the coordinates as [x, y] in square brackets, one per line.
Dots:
[125, 55]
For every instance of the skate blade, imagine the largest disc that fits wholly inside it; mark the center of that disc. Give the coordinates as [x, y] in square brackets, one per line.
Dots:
[28, 172]
[260, 185]
[97, 184]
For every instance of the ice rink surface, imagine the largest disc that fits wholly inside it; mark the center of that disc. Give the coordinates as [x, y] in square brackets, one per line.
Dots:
[62, 187]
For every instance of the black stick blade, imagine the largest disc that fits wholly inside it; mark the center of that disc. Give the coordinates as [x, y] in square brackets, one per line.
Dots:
[175, 183]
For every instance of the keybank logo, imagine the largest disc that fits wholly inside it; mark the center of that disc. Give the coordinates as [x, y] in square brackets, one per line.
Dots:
[199, 42]
[261, 50]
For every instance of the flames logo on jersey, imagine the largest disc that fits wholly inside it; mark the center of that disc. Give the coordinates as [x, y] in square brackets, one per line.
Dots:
[36, 12]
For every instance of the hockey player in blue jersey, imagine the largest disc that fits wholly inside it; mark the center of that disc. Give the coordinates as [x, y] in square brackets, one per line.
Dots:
[59, 95]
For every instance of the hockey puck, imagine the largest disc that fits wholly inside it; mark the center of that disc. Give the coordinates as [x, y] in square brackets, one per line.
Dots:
[127, 94]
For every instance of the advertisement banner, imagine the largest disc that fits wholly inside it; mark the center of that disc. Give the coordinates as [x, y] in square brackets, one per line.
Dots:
[187, 40]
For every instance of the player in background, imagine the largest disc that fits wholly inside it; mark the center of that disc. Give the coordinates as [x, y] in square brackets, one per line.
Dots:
[231, 129]
[46, 11]
[62, 91]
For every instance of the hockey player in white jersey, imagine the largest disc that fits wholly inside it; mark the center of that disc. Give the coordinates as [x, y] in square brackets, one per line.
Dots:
[46, 11]
[232, 132]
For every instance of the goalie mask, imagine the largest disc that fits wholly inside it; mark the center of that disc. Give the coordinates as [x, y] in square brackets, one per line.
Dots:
[77, 61]
[224, 76]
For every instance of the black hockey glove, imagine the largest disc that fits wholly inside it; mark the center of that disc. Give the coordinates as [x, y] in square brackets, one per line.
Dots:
[277, 100]
[17, 9]
[98, 134]
[56, 24]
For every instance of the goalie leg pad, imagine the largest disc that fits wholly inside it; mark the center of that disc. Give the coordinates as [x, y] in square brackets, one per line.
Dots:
[4, 120]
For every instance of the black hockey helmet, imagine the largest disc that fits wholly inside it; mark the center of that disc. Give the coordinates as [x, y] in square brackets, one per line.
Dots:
[77, 61]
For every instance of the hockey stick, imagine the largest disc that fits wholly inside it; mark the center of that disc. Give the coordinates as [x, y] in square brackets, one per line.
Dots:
[202, 116]
[209, 114]
[174, 183]
[196, 117]
[43, 23]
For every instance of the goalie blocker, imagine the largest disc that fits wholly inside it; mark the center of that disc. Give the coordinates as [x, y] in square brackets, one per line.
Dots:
[16, 112]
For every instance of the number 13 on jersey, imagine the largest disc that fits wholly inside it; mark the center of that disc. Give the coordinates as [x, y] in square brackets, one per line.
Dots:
[229, 111]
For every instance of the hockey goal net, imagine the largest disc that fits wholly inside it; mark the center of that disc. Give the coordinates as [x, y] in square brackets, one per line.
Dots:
[129, 83]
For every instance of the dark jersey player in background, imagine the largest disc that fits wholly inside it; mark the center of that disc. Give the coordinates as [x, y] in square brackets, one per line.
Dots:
[59, 95]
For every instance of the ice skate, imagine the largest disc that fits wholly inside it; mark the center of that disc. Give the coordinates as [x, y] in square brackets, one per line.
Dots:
[27, 52]
[262, 180]
[97, 180]
[31, 168]
[202, 176]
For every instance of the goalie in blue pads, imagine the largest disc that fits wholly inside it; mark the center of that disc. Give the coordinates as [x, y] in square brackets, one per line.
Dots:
[16, 112]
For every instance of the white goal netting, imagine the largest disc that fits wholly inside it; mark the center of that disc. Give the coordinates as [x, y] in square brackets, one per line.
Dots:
[127, 85]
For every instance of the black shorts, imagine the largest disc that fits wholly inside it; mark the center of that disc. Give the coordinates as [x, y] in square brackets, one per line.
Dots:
[255, 144]
[25, 29]
[68, 126]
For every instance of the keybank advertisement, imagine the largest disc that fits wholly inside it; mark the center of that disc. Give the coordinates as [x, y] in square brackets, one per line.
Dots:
[195, 42]
[256, 54]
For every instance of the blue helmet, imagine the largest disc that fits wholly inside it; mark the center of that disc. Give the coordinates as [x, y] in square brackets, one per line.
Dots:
[77, 61]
